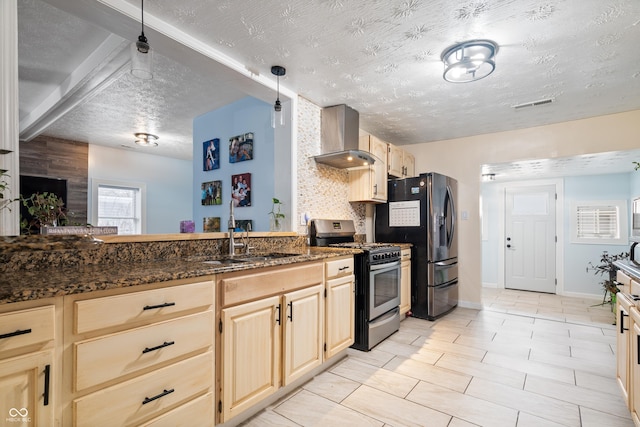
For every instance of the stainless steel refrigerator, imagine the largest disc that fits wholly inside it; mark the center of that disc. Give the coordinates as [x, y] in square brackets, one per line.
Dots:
[422, 211]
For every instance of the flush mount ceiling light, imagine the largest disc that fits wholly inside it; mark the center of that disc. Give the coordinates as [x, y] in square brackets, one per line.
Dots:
[277, 118]
[146, 139]
[141, 53]
[469, 61]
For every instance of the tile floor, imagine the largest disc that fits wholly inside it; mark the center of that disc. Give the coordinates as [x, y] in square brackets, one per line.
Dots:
[526, 360]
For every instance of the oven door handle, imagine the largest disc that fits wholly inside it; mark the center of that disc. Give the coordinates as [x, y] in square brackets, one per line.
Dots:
[383, 266]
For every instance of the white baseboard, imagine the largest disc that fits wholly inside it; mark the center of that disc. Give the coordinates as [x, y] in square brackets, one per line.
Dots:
[582, 295]
[489, 285]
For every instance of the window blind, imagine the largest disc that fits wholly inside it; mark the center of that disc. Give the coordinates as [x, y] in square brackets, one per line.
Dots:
[597, 222]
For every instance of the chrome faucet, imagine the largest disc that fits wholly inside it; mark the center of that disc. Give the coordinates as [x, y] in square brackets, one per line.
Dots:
[232, 226]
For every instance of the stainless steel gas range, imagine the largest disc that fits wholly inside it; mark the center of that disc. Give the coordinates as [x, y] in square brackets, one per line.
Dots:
[377, 272]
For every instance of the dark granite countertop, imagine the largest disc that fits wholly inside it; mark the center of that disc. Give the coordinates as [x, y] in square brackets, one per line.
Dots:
[33, 284]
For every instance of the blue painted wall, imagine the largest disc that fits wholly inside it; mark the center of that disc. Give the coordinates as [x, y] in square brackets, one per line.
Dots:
[243, 116]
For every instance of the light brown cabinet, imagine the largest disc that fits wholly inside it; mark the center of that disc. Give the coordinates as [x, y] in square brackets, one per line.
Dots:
[272, 327]
[401, 164]
[369, 183]
[405, 281]
[27, 366]
[135, 357]
[624, 324]
[634, 366]
[340, 305]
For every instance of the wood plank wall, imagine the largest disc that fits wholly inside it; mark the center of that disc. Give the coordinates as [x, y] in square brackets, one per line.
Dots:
[51, 157]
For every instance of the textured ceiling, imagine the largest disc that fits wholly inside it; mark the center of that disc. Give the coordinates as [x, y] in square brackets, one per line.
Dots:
[382, 57]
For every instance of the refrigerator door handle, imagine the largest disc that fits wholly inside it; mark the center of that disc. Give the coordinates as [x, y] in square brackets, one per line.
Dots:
[448, 263]
[453, 216]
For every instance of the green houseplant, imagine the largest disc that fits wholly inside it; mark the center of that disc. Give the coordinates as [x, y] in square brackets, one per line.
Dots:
[4, 185]
[276, 216]
[606, 269]
[46, 209]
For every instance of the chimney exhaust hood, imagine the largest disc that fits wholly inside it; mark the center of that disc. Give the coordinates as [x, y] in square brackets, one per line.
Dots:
[340, 139]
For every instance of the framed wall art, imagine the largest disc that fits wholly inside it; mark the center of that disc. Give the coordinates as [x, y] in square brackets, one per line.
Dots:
[241, 189]
[211, 154]
[211, 193]
[241, 148]
[211, 224]
[244, 225]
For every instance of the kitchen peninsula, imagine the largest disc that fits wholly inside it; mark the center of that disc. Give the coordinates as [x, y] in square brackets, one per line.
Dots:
[87, 327]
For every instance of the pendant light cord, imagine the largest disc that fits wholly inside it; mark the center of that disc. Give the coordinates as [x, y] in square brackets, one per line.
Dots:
[142, 15]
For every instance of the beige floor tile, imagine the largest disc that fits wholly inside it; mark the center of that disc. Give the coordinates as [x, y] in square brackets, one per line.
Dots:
[457, 422]
[308, 409]
[382, 379]
[546, 407]
[331, 386]
[499, 374]
[600, 401]
[425, 354]
[606, 366]
[529, 420]
[375, 357]
[429, 373]
[268, 418]
[598, 382]
[467, 408]
[431, 334]
[513, 348]
[592, 418]
[461, 350]
[541, 369]
[603, 354]
[392, 410]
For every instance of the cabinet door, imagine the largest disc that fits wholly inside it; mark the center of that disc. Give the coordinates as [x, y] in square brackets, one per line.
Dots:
[379, 149]
[304, 331]
[340, 309]
[635, 372]
[409, 162]
[25, 390]
[250, 354]
[405, 286]
[622, 349]
[395, 162]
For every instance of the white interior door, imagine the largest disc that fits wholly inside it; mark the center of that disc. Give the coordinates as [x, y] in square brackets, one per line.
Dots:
[530, 238]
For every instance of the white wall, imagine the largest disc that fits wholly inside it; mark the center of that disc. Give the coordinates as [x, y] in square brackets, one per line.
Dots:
[462, 158]
[168, 182]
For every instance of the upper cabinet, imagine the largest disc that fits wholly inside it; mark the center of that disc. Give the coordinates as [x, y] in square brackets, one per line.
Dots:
[401, 164]
[369, 183]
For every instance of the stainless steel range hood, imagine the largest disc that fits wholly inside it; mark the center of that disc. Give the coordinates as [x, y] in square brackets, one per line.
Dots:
[340, 134]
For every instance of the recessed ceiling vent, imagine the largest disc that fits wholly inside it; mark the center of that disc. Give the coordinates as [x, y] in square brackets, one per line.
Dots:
[533, 103]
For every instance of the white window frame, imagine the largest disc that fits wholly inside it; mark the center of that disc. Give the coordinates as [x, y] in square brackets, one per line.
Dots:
[622, 219]
[140, 186]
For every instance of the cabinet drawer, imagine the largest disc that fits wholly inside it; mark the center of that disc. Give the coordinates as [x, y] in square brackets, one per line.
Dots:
[339, 267]
[405, 254]
[198, 412]
[26, 327]
[622, 278]
[147, 396]
[102, 359]
[104, 312]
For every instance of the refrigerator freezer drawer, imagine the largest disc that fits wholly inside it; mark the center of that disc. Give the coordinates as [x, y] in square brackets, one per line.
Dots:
[441, 272]
[442, 299]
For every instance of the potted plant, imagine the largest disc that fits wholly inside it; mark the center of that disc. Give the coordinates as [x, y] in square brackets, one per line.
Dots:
[46, 210]
[4, 190]
[606, 269]
[276, 216]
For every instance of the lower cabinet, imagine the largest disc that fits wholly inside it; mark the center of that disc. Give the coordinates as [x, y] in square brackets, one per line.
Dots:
[624, 324]
[29, 373]
[339, 305]
[634, 365]
[135, 358]
[405, 281]
[26, 389]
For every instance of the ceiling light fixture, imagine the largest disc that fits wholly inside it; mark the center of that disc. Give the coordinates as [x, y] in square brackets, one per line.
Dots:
[141, 53]
[146, 139]
[469, 61]
[277, 118]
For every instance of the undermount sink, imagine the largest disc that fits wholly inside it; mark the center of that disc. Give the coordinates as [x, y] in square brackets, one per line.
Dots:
[242, 258]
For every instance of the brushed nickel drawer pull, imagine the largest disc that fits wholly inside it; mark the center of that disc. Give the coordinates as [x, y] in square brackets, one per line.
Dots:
[152, 307]
[151, 399]
[158, 347]
[16, 333]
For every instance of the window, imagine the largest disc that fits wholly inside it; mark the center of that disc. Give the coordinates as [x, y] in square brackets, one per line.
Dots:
[599, 222]
[119, 204]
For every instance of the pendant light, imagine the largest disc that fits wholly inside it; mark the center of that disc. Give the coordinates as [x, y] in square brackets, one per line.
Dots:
[141, 53]
[277, 118]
